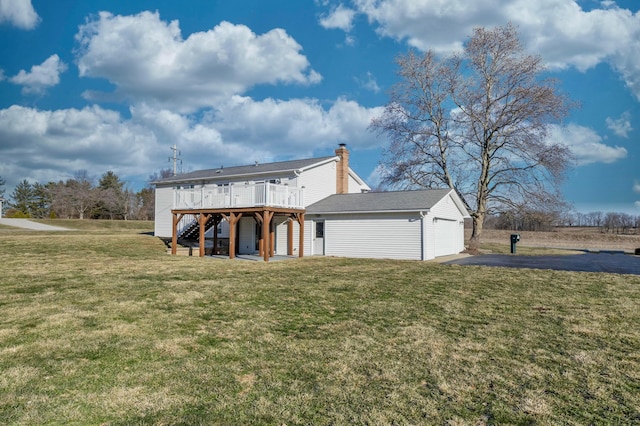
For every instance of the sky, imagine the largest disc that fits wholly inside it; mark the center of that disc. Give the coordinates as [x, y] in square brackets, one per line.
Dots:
[101, 85]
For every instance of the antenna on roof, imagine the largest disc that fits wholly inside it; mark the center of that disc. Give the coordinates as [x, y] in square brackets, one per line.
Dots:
[175, 158]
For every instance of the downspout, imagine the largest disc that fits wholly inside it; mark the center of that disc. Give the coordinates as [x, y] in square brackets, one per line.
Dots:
[422, 237]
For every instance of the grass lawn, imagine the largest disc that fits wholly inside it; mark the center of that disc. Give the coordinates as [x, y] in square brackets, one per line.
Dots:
[100, 326]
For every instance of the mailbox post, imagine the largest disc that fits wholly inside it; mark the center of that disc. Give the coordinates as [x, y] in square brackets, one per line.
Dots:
[514, 239]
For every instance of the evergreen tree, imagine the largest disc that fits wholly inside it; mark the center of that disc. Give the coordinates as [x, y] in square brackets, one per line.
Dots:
[111, 197]
[23, 198]
[40, 202]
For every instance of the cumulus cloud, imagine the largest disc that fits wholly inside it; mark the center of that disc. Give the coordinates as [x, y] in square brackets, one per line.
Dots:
[586, 145]
[621, 126]
[19, 13]
[148, 60]
[561, 31]
[45, 145]
[41, 77]
[51, 145]
[339, 17]
[636, 187]
[277, 128]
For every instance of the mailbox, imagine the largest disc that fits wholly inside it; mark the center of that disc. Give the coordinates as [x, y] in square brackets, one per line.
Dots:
[514, 239]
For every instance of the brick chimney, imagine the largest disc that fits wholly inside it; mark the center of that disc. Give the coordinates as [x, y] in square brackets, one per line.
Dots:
[342, 170]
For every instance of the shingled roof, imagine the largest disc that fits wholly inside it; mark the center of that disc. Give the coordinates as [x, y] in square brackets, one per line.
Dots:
[419, 200]
[253, 169]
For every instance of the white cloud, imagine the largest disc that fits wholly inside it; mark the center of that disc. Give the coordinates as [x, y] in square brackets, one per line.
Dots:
[586, 145]
[19, 13]
[339, 18]
[560, 30]
[621, 126]
[369, 83]
[41, 76]
[636, 187]
[149, 61]
[298, 127]
[51, 145]
[637, 205]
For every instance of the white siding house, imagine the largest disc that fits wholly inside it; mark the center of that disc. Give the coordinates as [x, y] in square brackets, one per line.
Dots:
[340, 216]
[417, 225]
[305, 181]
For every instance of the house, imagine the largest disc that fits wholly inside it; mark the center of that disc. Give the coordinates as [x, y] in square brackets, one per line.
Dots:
[321, 204]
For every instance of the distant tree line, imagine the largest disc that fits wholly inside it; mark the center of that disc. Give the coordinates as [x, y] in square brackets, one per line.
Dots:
[80, 198]
[527, 219]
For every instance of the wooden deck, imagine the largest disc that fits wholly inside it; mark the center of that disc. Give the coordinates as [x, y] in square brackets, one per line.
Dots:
[261, 214]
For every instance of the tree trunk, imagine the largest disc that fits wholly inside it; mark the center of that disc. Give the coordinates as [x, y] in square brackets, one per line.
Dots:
[476, 232]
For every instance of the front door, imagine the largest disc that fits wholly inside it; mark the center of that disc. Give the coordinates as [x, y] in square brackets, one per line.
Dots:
[318, 241]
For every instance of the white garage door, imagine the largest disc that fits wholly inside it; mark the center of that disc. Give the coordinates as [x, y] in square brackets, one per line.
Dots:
[446, 236]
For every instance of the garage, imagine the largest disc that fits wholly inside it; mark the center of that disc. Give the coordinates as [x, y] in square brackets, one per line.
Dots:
[410, 225]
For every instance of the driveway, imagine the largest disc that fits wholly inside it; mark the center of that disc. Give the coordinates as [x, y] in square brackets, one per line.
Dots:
[616, 263]
[27, 224]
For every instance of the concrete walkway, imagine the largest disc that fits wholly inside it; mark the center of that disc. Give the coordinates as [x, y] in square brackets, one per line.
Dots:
[28, 224]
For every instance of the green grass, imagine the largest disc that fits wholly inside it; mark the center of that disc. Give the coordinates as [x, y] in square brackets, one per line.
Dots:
[101, 326]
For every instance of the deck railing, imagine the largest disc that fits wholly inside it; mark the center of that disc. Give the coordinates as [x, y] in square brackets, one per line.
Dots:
[240, 195]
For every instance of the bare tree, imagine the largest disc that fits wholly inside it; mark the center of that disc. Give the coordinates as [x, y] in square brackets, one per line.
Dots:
[595, 218]
[476, 122]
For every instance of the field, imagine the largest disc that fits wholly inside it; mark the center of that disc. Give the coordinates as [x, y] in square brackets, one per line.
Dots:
[568, 238]
[100, 326]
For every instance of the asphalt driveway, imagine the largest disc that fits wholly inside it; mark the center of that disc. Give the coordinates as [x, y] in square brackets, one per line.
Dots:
[617, 263]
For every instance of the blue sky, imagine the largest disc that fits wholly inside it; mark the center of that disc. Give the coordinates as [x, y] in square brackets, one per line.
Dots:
[112, 84]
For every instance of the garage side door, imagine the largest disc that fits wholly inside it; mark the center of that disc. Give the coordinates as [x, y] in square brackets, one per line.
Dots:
[446, 237]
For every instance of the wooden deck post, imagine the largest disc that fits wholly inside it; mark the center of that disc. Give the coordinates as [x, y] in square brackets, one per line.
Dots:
[290, 237]
[266, 223]
[260, 221]
[233, 220]
[202, 221]
[301, 222]
[174, 235]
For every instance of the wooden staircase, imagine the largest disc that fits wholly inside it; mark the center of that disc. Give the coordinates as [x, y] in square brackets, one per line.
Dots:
[192, 231]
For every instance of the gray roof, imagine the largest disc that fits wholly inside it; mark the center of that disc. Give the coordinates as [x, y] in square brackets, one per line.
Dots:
[420, 200]
[253, 169]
